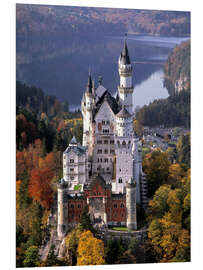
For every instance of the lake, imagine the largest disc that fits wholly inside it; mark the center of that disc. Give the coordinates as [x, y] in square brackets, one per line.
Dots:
[61, 67]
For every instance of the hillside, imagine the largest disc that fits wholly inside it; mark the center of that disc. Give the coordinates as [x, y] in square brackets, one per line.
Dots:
[170, 112]
[177, 69]
[62, 21]
[175, 110]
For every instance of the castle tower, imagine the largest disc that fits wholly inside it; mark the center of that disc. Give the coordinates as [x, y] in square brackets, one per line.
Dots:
[124, 124]
[88, 102]
[125, 89]
[75, 164]
[131, 221]
[62, 209]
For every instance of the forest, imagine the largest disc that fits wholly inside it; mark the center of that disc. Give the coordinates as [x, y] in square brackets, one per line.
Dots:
[37, 20]
[41, 138]
[174, 110]
[177, 67]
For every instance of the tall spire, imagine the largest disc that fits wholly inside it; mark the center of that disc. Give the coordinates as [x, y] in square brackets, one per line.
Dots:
[89, 84]
[125, 59]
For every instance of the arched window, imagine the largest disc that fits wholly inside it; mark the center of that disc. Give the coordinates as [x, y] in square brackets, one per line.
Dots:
[72, 206]
[122, 205]
[124, 143]
[79, 205]
[120, 180]
[115, 205]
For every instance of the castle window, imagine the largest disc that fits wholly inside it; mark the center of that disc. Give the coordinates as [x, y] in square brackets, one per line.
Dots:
[107, 122]
[98, 160]
[112, 151]
[122, 205]
[79, 205]
[72, 178]
[120, 181]
[115, 205]
[99, 142]
[112, 142]
[124, 143]
[106, 160]
[106, 151]
[107, 168]
[71, 160]
[99, 151]
[72, 206]
[71, 169]
[105, 141]
[103, 122]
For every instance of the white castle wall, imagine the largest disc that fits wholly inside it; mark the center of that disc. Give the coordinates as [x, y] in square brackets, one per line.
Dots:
[126, 81]
[124, 127]
[76, 172]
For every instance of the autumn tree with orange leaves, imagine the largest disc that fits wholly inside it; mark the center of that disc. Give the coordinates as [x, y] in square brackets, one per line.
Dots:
[40, 186]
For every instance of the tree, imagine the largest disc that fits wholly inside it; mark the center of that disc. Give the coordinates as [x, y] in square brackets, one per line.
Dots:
[31, 257]
[176, 173]
[169, 217]
[90, 250]
[158, 206]
[138, 128]
[156, 166]
[85, 222]
[40, 186]
[71, 241]
[23, 199]
[183, 149]
[113, 251]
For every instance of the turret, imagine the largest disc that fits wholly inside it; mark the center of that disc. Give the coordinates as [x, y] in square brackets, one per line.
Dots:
[124, 126]
[131, 221]
[125, 89]
[88, 102]
[62, 209]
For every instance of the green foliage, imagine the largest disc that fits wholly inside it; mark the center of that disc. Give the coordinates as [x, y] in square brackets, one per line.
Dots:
[23, 198]
[183, 149]
[156, 167]
[85, 222]
[51, 258]
[77, 187]
[169, 217]
[31, 257]
[113, 251]
[170, 112]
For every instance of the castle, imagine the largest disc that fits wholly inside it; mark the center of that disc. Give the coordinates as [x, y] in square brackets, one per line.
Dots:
[105, 173]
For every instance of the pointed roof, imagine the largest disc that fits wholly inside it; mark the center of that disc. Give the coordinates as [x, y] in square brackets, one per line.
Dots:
[89, 83]
[131, 183]
[75, 147]
[110, 100]
[73, 141]
[123, 113]
[124, 57]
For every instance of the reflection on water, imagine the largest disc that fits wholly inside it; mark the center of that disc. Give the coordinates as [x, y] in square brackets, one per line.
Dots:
[61, 67]
[149, 90]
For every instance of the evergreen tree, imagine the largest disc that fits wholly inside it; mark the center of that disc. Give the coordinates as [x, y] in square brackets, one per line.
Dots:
[85, 222]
